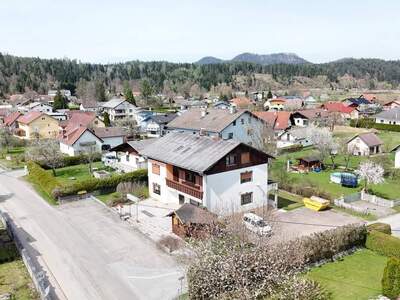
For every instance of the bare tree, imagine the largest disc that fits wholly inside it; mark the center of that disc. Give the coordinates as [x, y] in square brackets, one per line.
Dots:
[263, 137]
[323, 142]
[131, 126]
[46, 151]
[91, 154]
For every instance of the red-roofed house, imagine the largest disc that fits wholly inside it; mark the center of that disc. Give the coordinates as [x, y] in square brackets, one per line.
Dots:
[37, 125]
[11, 120]
[79, 140]
[347, 112]
[392, 104]
[278, 120]
[80, 118]
[304, 118]
[242, 102]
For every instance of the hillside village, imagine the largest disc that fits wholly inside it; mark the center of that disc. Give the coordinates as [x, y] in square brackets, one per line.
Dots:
[266, 168]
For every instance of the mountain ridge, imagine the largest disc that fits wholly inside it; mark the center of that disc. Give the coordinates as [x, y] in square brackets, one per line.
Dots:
[262, 59]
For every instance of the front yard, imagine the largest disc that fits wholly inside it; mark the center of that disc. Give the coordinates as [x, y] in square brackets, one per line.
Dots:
[357, 276]
[72, 174]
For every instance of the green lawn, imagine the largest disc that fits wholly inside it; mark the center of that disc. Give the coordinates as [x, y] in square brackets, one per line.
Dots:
[106, 198]
[289, 201]
[356, 277]
[14, 279]
[17, 155]
[79, 172]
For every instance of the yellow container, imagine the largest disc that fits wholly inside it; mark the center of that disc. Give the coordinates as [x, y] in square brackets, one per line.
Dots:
[316, 203]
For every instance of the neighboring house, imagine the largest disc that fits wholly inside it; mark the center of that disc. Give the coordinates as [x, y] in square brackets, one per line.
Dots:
[276, 104]
[370, 97]
[53, 93]
[294, 136]
[304, 118]
[347, 112]
[390, 105]
[80, 118]
[90, 106]
[188, 104]
[156, 126]
[111, 136]
[279, 121]
[11, 120]
[35, 124]
[3, 114]
[391, 117]
[41, 107]
[60, 116]
[120, 109]
[310, 102]
[226, 124]
[364, 144]
[79, 140]
[126, 158]
[143, 117]
[222, 104]
[396, 150]
[225, 176]
[356, 102]
[242, 103]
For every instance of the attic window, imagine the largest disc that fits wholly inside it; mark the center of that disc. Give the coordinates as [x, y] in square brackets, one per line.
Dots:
[231, 160]
[245, 157]
[155, 169]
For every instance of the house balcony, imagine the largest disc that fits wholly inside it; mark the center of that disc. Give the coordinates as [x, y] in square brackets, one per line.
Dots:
[187, 188]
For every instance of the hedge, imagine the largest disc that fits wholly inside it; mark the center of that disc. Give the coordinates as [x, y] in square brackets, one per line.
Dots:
[41, 177]
[370, 123]
[71, 161]
[391, 279]
[381, 227]
[94, 184]
[383, 244]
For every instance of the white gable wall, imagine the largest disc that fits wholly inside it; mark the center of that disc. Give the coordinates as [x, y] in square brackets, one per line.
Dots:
[397, 159]
[77, 148]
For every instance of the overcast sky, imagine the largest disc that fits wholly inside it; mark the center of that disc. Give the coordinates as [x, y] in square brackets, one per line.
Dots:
[186, 30]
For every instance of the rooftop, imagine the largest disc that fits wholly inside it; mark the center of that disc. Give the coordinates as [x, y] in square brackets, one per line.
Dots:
[189, 151]
[393, 114]
[29, 117]
[190, 214]
[104, 132]
[369, 138]
[214, 120]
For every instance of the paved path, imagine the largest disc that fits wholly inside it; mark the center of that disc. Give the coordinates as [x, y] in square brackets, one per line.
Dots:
[86, 251]
[394, 221]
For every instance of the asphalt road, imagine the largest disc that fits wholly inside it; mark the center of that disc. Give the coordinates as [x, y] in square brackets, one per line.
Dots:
[85, 250]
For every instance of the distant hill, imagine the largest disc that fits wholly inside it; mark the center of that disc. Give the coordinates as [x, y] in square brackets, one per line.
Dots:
[209, 60]
[262, 59]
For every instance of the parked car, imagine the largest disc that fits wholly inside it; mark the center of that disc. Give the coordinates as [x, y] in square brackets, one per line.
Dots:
[256, 224]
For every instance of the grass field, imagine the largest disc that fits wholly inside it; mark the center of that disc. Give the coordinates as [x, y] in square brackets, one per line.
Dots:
[79, 172]
[17, 155]
[15, 279]
[356, 277]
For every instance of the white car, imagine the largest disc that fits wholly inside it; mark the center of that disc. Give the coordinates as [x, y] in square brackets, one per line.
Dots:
[256, 224]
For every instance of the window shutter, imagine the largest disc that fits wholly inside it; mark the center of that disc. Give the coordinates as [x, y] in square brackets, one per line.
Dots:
[245, 157]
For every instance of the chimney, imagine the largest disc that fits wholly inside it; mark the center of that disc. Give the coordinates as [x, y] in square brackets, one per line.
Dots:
[232, 109]
[203, 112]
[202, 132]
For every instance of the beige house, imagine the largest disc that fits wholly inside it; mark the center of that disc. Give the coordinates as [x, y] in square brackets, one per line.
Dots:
[365, 144]
[37, 125]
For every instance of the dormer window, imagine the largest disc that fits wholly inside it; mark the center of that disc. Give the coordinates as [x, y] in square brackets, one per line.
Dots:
[231, 160]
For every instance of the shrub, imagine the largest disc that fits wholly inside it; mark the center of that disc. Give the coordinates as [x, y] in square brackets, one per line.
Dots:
[291, 149]
[383, 244]
[226, 267]
[138, 189]
[71, 160]
[391, 279]
[46, 181]
[370, 123]
[381, 227]
[94, 184]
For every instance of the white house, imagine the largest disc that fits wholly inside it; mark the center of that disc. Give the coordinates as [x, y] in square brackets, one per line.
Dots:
[364, 144]
[396, 150]
[111, 136]
[36, 106]
[304, 118]
[126, 158]
[53, 93]
[295, 136]
[224, 123]
[156, 125]
[391, 117]
[225, 176]
[78, 141]
[120, 109]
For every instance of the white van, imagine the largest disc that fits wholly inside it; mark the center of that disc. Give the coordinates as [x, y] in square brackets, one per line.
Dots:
[256, 224]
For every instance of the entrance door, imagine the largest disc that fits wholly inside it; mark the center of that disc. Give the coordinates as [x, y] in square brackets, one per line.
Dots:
[181, 199]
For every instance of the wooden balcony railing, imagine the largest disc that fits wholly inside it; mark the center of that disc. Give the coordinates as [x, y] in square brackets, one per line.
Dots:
[191, 191]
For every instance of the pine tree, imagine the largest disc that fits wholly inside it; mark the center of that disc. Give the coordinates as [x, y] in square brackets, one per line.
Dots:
[129, 96]
[106, 119]
[59, 101]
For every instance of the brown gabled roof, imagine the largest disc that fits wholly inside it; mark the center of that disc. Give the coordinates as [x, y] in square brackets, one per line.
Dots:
[313, 113]
[241, 102]
[11, 118]
[30, 117]
[190, 214]
[70, 137]
[104, 132]
[279, 120]
[215, 120]
[369, 138]
[78, 118]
